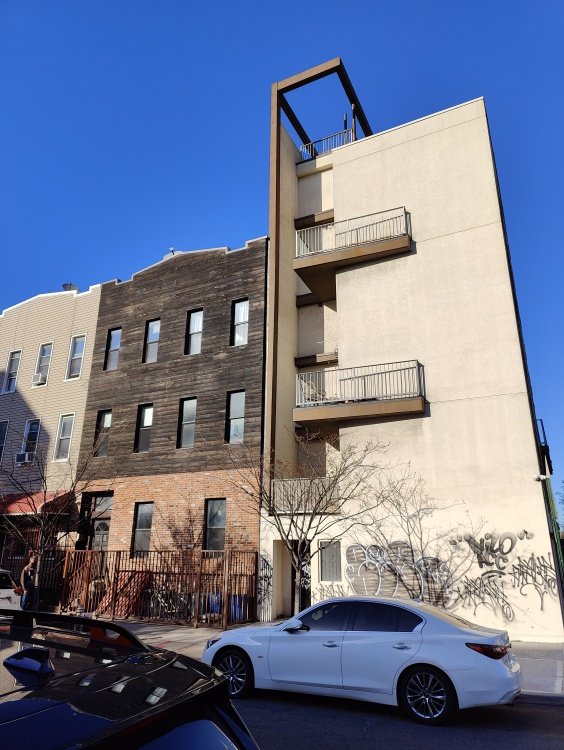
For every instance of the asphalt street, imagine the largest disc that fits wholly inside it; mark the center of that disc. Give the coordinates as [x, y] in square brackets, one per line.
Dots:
[280, 721]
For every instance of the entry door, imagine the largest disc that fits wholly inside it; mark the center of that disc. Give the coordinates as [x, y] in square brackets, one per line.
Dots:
[101, 535]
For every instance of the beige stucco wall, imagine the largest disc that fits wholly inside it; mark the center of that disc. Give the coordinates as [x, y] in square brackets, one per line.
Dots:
[449, 304]
[55, 318]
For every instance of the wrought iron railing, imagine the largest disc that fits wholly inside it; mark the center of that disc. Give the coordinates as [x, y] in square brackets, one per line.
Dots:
[373, 382]
[304, 495]
[324, 145]
[326, 238]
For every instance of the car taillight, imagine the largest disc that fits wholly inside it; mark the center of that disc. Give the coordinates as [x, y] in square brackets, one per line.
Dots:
[493, 652]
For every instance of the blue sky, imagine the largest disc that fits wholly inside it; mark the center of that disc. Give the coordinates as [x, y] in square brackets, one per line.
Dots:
[129, 126]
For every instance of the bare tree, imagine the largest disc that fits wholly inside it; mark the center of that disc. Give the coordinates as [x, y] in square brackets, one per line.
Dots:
[326, 493]
[408, 547]
[38, 501]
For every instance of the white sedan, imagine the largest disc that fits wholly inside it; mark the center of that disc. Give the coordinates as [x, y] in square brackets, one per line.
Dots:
[9, 599]
[390, 651]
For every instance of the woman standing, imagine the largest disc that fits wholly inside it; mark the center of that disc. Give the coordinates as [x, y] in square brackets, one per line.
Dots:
[27, 581]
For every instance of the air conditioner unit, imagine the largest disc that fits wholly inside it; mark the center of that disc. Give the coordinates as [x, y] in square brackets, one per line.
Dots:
[38, 379]
[24, 458]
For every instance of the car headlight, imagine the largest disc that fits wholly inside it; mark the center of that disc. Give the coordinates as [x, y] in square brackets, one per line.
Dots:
[211, 641]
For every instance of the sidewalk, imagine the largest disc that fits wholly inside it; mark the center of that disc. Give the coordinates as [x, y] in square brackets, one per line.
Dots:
[542, 664]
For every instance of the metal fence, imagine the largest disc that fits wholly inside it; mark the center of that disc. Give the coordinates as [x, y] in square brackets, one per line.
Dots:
[373, 382]
[361, 230]
[50, 573]
[324, 145]
[304, 495]
[196, 586]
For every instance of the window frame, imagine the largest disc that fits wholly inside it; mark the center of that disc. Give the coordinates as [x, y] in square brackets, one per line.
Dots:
[37, 370]
[3, 443]
[60, 438]
[25, 448]
[190, 335]
[102, 443]
[147, 344]
[323, 546]
[182, 422]
[236, 326]
[135, 551]
[230, 420]
[207, 527]
[139, 427]
[7, 371]
[70, 359]
[109, 350]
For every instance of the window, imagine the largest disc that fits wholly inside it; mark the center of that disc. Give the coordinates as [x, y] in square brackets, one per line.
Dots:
[143, 430]
[31, 435]
[152, 335]
[330, 561]
[235, 421]
[76, 355]
[12, 372]
[239, 322]
[102, 433]
[62, 447]
[113, 344]
[43, 362]
[214, 537]
[331, 616]
[186, 423]
[384, 618]
[142, 522]
[3, 436]
[194, 326]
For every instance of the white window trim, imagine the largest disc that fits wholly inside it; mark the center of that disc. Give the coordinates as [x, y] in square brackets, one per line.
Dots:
[3, 447]
[60, 424]
[75, 336]
[5, 382]
[36, 370]
[24, 441]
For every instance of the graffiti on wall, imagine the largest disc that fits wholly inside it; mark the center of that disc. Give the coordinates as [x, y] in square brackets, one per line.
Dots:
[396, 570]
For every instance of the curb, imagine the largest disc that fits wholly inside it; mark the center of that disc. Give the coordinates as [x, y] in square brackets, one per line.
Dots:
[537, 697]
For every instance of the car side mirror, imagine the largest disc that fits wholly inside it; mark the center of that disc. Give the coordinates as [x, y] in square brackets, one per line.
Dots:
[295, 625]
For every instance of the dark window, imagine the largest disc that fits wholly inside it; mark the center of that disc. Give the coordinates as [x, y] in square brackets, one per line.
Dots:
[142, 523]
[62, 447]
[152, 335]
[12, 372]
[76, 355]
[102, 434]
[384, 618]
[215, 524]
[3, 435]
[239, 322]
[31, 435]
[113, 344]
[186, 423]
[144, 425]
[235, 420]
[5, 581]
[330, 561]
[332, 616]
[194, 327]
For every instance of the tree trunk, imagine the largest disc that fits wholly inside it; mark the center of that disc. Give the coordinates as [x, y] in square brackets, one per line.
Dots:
[297, 590]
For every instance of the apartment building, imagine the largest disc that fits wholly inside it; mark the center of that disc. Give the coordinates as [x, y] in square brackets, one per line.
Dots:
[175, 396]
[392, 320]
[46, 346]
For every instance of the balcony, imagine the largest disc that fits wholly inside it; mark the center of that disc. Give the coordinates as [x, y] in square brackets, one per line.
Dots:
[337, 394]
[316, 495]
[322, 249]
[311, 150]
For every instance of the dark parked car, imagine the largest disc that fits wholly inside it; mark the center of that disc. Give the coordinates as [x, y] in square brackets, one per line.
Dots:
[73, 682]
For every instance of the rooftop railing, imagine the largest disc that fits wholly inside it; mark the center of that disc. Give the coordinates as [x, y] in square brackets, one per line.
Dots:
[308, 495]
[373, 382]
[324, 145]
[326, 238]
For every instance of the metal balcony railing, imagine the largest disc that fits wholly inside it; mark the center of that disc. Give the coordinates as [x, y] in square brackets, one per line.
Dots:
[305, 495]
[324, 145]
[370, 383]
[342, 234]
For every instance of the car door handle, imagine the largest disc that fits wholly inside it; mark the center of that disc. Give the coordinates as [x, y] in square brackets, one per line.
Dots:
[401, 646]
[331, 644]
